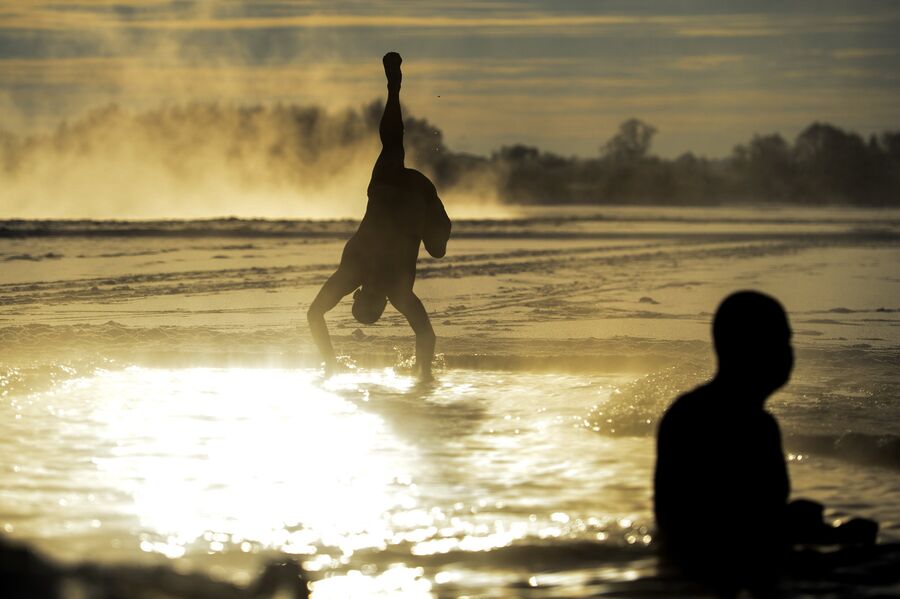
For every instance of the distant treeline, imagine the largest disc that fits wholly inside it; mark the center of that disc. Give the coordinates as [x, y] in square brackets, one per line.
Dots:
[305, 147]
[823, 165]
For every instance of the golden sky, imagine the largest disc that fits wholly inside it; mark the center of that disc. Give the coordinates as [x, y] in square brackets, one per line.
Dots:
[559, 74]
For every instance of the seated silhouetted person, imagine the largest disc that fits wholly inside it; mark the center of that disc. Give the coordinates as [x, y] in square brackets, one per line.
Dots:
[721, 482]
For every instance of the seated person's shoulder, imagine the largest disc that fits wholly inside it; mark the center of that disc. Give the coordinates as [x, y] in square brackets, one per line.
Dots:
[692, 406]
[769, 424]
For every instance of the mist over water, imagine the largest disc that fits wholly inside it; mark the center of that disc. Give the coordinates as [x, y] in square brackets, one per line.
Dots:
[209, 160]
[203, 160]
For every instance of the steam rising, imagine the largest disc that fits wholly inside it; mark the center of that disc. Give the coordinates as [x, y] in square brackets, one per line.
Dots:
[201, 160]
[206, 160]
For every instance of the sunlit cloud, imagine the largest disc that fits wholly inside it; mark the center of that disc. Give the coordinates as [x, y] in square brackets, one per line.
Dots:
[861, 53]
[706, 62]
[427, 16]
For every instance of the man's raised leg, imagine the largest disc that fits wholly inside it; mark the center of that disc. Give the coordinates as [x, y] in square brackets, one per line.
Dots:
[390, 129]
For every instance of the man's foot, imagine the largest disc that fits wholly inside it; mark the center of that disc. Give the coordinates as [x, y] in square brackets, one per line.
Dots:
[392, 62]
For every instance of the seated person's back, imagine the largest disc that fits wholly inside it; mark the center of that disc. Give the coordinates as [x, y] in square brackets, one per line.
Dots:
[718, 462]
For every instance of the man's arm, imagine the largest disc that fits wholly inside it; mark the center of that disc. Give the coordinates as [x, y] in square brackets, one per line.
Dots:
[336, 287]
[408, 304]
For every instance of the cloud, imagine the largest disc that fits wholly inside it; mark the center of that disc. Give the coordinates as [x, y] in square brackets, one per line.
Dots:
[708, 61]
[484, 69]
[493, 18]
[862, 53]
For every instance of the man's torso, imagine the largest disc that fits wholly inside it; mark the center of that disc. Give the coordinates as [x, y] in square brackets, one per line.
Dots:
[386, 245]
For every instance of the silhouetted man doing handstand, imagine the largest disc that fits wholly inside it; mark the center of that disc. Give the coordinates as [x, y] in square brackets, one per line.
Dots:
[721, 483]
[379, 261]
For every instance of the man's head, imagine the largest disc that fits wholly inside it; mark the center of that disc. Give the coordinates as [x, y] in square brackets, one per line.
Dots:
[753, 342]
[368, 305]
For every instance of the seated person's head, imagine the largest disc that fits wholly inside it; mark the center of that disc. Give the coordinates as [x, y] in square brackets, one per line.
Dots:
[368, 305]
[753, 341]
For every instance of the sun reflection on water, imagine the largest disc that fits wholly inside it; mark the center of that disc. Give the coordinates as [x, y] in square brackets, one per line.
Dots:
[379, 485]
[270, 458]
